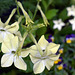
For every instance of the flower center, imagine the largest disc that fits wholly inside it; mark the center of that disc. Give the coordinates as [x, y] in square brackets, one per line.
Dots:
[43, 50]
[2, 30]
[13, 52]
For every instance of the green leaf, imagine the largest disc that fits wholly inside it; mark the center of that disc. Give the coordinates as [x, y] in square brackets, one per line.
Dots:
[73, 72]
[63, 14]
[51, 13]
[29, 65]
[30, 14]
[5, 5]
[68, 31]
[41, 31]
[44, 4]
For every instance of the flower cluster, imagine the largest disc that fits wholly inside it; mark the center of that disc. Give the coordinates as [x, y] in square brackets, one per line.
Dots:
[42, 54]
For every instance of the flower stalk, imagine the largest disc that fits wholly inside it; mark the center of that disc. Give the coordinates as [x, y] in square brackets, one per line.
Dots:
[12, 13]
[24, 37]
[34, 40]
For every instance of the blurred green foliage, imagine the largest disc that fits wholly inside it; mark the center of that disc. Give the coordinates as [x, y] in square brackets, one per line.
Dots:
[53, 9]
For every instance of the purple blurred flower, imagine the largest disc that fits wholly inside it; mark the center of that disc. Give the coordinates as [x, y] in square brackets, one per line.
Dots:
[50, 38]
[70, 67]
[60, 60]
[64, 65]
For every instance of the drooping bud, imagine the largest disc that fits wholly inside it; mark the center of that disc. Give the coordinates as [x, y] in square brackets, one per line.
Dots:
[28, 20]
[43, 16]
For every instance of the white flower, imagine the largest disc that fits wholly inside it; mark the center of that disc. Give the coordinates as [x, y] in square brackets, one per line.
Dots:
[71, 10]
[13, 54]
[72, 21]
[58, 24]
[48, 57]
[6, 29]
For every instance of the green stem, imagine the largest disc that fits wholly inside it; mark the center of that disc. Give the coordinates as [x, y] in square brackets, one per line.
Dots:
[34, 40]
[0, 50]
[35, 11]
[24, 37]
[17, 8]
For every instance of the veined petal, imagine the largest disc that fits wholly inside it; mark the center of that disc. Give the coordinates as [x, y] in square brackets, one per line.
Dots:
[52, 47]
[4, 35]
[43, 42]
[7, 60]
[34, 51]
[54, 57]
[13, 27]
[34, 59]
[7, 45]
[14, 43]
[19, 63]
[1, 36]
[39, 67]
[5, 48]
[8, 36]
[49, 63]
[25, 52]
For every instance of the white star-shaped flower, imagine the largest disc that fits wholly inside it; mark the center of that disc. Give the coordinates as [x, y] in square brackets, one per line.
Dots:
[13, 54]
[72, 21]
[48, 57]
[6, 29]
[58, 24]
[71, 10]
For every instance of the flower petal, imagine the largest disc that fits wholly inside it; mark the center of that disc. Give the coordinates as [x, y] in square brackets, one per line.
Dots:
[25, 52]
[52, 47]
[34, 59]
[1, 37]
[34, 51]
[7, 45]
[7, 60]
[19, 35]
[14, 43]
[13, 27]
[54, 57]
[19, 63]
[39, 67]
[43, 42]
[49, 63]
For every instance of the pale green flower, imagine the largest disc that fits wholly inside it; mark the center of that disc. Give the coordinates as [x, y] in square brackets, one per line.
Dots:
[6, 29]
[43, 16]
[13, 54]
[48, 57]
[28, 20]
